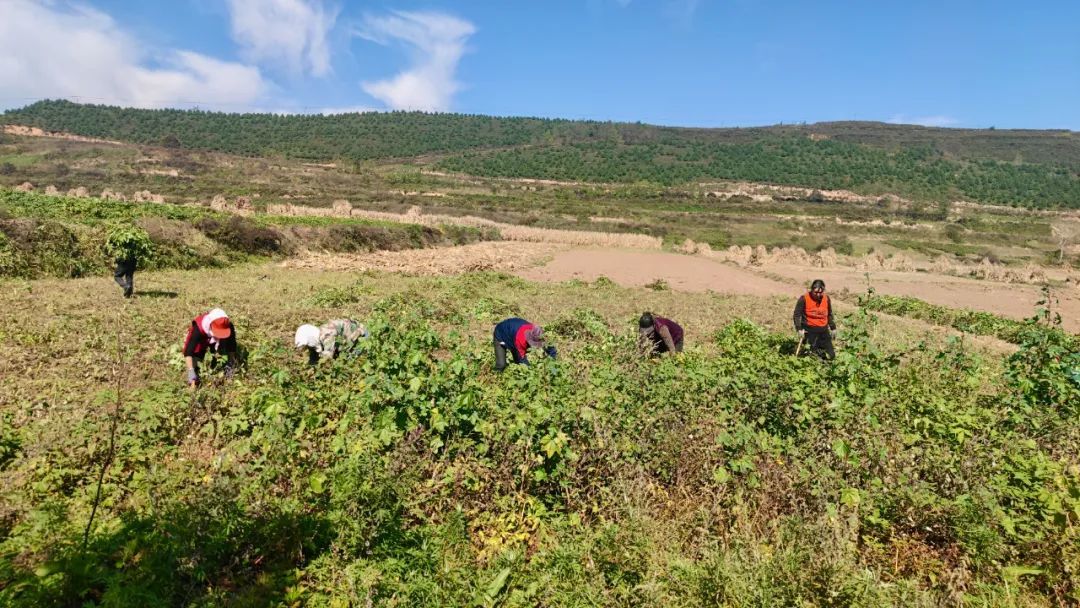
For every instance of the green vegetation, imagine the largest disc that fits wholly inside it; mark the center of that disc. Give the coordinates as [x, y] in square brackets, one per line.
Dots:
[797, 161]
[972, 321]
[414, 475]
[1023, 168]
[73, 237]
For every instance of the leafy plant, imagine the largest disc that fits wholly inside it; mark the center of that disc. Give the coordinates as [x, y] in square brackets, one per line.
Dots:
[127, 242]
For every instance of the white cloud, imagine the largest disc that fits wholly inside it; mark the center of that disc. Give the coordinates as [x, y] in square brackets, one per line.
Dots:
[438, 42]
[66, 50]
[926, 121]
[290, 33]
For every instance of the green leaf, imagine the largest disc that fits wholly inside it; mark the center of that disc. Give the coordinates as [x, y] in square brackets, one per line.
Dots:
[317, 482]
[496, 585]
[1012, 574]
[841, 448]
[721, 475]
[849, 497]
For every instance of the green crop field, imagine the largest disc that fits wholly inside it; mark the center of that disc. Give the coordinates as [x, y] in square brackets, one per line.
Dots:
[915, 470]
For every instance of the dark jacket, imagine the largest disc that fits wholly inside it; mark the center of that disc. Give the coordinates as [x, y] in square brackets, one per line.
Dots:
[511, 333]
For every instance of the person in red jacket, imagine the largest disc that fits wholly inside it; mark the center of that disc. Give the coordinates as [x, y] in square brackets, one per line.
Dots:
[659, 335]
[813, 320]
[211, 332]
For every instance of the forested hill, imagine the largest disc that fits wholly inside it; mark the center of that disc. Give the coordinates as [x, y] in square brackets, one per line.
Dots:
[1013, 167]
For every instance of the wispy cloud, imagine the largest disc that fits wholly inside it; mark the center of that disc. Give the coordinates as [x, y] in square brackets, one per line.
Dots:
[437, 42]
[286, 33]
[926, 121]
[69, 50]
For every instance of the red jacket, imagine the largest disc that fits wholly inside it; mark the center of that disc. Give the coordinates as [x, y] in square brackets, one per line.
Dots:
[197, 343]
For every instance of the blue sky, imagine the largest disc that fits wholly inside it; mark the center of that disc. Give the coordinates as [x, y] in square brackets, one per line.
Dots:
[675, 62]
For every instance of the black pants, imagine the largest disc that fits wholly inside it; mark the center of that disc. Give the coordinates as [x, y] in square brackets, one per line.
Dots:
[819, 342]
[125, 276]
[500, 356]
[660, 347]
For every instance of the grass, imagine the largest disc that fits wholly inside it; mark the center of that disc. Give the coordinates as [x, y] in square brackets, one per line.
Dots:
[414, 475]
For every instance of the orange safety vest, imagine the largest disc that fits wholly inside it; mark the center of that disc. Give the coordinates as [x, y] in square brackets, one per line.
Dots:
[817, 314]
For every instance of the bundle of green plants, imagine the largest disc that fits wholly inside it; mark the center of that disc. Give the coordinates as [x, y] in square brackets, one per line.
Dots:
[125, 242]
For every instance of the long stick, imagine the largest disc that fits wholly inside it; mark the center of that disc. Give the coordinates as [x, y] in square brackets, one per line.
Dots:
[799, 347]
[111, 452]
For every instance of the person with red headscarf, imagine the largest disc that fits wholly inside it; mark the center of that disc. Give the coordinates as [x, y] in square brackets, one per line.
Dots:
[210, 332]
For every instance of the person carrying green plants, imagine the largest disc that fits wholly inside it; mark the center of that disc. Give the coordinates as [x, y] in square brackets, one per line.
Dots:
[127, 245]
[517, 335]
[658, 335]
[813, 318]
[329, 340]
[210, 332]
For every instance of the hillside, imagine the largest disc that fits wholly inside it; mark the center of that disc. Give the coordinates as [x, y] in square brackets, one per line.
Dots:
[1011, 167]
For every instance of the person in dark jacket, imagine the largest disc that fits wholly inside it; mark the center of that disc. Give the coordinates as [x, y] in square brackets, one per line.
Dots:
[813, 320]
[211, 332]
[125, 274]
[659, 335]
[517, 336]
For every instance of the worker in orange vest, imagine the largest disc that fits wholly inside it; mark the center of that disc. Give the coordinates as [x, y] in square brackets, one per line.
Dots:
[814, 321]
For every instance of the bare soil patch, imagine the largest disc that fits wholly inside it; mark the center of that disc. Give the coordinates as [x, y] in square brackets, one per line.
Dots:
[637, 269]
[489, 255]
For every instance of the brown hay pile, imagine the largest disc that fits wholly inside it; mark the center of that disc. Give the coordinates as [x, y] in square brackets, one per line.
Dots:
[80, 192]
[878, 261]
[987, 270]
[52, 190]
[145, 196]
[342, 207]
[25, 187]
[763, 256]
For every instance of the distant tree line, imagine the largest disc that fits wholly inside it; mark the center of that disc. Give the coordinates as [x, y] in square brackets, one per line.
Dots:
[933, 164]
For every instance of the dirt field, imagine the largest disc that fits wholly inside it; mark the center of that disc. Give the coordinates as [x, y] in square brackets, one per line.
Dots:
[554, 262]
[636, 269]
[489, 255]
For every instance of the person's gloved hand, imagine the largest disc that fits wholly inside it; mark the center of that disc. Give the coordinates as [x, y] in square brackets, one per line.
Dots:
[802, 333]
[551, 352]
[192, 377]
[832, 333]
